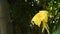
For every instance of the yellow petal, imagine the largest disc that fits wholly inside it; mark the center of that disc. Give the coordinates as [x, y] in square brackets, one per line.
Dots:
[39, 17]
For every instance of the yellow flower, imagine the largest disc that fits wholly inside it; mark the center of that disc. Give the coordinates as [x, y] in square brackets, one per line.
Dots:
[41, 17]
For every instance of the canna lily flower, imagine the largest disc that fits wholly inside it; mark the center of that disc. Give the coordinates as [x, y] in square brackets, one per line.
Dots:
[41, 17]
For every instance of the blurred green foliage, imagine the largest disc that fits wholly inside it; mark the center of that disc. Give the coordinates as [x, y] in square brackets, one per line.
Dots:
[21, 12]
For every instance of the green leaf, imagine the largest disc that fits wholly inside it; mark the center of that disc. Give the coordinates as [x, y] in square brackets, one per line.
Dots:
[58, 30]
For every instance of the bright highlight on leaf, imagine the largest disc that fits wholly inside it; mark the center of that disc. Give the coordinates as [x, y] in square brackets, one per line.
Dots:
[41, 17]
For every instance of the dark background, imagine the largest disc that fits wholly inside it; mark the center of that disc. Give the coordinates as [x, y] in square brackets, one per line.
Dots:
[21, 13]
